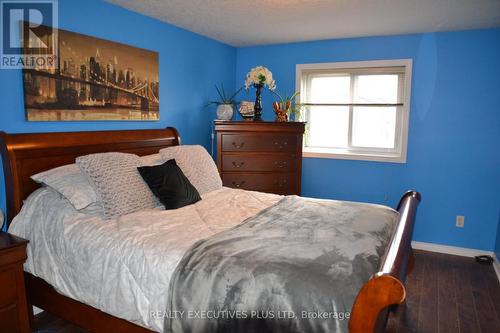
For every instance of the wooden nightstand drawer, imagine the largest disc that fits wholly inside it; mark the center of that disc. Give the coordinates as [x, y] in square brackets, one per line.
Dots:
[13, 307]
[8, 288]
[279, 183]
[9, 319]
[245, 162]
[262, 142]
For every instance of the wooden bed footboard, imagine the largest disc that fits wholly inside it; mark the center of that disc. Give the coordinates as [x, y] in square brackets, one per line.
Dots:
[369, 312]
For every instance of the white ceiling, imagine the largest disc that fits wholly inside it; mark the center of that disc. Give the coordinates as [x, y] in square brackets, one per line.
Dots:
[256, 22]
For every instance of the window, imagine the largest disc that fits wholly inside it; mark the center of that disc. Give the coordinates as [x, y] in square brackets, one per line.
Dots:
[356, 110]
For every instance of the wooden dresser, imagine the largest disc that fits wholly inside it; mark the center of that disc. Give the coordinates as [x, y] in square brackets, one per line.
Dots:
[260, 156]
[13, 308]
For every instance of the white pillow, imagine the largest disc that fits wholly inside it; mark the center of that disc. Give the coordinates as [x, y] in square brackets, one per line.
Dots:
[197, 164]
[71, 183]
[151, 160]
[117, 182]
[74, 185]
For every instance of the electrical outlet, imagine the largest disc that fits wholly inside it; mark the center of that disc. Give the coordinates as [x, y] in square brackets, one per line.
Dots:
[459, 221]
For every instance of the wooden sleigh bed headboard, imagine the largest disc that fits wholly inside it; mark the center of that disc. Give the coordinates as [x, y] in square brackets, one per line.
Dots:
[26, 154]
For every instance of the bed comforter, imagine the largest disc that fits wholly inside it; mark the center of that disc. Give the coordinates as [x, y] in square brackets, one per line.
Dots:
[123, 266]
[297, 266]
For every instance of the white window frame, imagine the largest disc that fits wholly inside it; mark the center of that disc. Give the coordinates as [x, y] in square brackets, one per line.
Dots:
[378, 156]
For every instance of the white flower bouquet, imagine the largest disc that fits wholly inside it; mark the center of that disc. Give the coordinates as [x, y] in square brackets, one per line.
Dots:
[260, 75]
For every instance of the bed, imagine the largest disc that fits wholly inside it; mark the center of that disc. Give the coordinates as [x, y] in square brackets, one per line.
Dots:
[26, 154]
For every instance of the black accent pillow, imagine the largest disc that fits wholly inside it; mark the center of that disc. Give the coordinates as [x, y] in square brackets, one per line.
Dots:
[169, 184]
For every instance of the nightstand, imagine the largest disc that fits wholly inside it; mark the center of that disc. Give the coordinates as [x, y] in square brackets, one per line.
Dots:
[13, 307]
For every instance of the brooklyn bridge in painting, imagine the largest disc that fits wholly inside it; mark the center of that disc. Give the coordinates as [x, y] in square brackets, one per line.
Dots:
[94, 80]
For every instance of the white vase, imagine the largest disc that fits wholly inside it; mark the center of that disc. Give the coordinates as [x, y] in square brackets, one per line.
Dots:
[225, 112]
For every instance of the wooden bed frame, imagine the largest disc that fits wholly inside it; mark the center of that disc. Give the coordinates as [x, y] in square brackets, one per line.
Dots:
[24, 155]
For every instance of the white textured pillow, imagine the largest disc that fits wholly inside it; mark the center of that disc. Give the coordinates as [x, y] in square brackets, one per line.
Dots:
[197, 164]
[117, 182]
[153, 159]
[71, 183]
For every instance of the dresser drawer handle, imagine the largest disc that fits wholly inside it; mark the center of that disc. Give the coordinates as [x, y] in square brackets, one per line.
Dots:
[238, 185]
[280, 164]
[238, 146]
[280, 146]
[280, 183]
[238, 165]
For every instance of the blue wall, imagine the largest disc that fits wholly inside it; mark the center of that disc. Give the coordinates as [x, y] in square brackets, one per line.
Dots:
[189, 67]
[454, 138]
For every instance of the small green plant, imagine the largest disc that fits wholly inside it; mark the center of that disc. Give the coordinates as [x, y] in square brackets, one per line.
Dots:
[295, 108]
[224, 98]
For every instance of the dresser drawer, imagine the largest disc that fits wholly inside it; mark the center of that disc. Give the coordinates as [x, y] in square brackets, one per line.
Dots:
[246, 162]
[279, 183]
[8, 287]
[261, 142]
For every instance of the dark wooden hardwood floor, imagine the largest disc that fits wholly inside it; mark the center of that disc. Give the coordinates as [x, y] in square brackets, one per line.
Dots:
[444, 294]
[448, 294]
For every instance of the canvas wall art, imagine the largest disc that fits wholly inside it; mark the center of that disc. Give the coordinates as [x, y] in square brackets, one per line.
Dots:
[94, 79]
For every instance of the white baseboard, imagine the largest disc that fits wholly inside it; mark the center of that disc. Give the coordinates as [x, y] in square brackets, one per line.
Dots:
[455, 250]
[496, 266]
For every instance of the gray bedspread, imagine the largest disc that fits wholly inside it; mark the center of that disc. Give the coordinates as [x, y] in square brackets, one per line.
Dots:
[297, 266]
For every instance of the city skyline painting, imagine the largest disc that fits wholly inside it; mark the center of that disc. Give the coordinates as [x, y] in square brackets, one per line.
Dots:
[94, 79]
